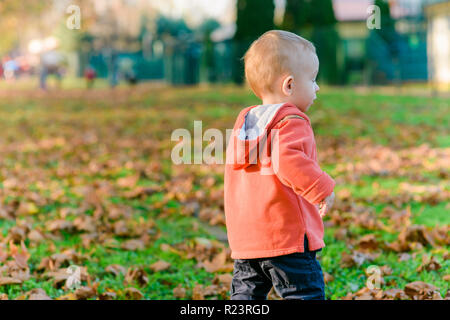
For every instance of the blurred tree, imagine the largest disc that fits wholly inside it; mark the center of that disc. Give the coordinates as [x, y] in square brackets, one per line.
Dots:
[316, 21]
[383, 62]
[208, 27]
[205, 30]
[326, 39]
[176, 28]
[322, 13]
[387, 31]
[14, 14]
[254, 17]
[23, 7]
[296, 15]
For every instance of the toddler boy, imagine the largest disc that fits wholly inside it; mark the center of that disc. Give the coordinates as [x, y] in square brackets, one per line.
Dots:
[274, 208]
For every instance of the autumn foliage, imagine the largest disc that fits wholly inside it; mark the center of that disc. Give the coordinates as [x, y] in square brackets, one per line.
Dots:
[86, 180]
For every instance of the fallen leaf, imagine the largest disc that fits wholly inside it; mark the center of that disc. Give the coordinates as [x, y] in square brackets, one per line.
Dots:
[179, 292]
[394, 294]
[223, 279]
[128, 182]
[218, 263]
[27, 208]
[38, 294]
[83, 293]
[60, 225]
[133, 294]
[35, 236]
[160, 266]
[357, 258]
[419, 290]
[21, 257]
[136, 274]
[108, 295]
[416, 233]
[429, 264]
[133, 245]
[116, 269]
[327, 277]
[197, 292]
[9, 280]
[368, 242]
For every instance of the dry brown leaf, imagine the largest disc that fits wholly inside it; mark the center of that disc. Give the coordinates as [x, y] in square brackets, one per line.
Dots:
[327, 277]
[60, 225]
[394, 294]
[357, 258]
[419, 290]
[128, 182]
[61, 275]
[116, 269]
[197, 292]
[416, 233]
[429, 264]
[218, 263]
[133, 294]
[9, 280]
[272, 295]
[83, 293]
[368, 242]
[179, 292]
[223, 279]
[160, 266]
[136, 274]
[38, 294]
[26, 208]
[35, 236]
[68, 296]
[21, 257]
[121, 229]
[386, 270]
[17, 234]
[133, 245]
[108, 295]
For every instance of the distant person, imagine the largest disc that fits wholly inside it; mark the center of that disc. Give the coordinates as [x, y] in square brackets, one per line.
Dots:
[10, 68]
[51, 64]
[90, 75]
[112, 68]
[127, 71]
[274, 205]
[130, 77]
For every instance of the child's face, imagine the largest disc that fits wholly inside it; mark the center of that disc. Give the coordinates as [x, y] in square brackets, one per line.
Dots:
[304, 86]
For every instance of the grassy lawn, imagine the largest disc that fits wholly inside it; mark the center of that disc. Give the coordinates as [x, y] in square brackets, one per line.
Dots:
[86, 179]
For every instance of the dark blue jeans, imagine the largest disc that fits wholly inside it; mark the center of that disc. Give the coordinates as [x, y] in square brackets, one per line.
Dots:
[293, 276]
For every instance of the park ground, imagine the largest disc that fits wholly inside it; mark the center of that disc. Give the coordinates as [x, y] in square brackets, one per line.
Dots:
[86, 180]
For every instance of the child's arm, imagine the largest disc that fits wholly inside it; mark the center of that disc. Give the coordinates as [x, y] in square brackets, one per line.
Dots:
[295, 168]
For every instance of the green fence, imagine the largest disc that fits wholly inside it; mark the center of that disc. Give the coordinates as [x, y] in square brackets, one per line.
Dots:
[369, 60]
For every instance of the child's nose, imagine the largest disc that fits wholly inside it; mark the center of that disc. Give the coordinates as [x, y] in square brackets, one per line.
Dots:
[317, 87]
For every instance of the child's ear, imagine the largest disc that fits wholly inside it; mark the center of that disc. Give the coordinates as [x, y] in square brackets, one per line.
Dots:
[288, 84]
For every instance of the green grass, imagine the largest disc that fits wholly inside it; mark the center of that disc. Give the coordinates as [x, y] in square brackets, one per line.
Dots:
[111, 134]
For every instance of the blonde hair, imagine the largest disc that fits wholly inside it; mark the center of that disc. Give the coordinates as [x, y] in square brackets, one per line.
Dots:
[271, 55]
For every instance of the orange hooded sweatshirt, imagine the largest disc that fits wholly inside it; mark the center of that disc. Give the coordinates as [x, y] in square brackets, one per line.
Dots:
[270, 204]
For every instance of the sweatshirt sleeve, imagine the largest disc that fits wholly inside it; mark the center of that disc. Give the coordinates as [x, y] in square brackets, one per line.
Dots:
[295, 168]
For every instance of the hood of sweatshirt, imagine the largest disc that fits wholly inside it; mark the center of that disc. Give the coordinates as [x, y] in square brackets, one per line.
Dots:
[251, 132]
